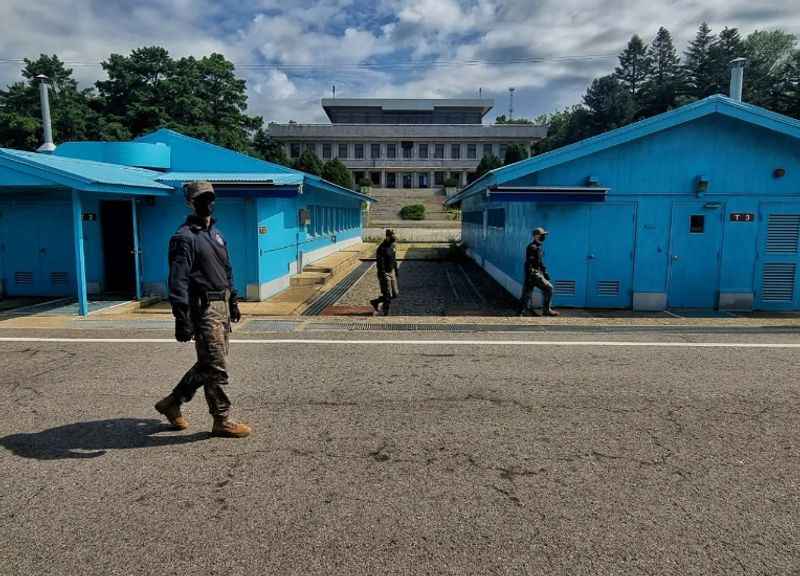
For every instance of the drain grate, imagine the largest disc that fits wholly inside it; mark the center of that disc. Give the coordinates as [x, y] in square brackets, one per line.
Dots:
[333, 295]
[270, 326]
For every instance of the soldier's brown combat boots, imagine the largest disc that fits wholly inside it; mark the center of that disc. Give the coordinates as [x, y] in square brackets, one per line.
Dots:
[171, 408]
[229, 429]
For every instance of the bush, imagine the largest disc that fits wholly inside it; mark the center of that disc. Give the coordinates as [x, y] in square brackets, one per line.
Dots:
[365, 183]
[337, 173]
[413, 212]
[451, 183]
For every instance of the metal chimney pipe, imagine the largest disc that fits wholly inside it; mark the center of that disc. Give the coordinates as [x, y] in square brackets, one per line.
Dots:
[737, 78]
[47, 123]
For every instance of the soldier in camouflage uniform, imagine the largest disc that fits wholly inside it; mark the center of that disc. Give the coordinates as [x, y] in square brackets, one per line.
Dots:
[204, 304]
[536, 276]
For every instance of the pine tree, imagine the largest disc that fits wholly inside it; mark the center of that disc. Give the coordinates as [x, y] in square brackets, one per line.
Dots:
[634, 67]
[662, 88]
[308, 162]
[337, 173]
[515, 153]
[610, 104]
[768, 54]
[727, 47]
[697, 66]
[268, 149]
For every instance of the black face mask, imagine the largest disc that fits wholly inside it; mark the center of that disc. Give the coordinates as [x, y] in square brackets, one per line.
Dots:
[204, 207]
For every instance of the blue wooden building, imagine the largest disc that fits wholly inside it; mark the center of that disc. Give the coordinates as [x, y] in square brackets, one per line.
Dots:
[695, 208]
[96, 217]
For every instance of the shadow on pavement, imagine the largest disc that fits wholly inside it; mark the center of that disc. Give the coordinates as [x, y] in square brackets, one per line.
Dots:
[93, 439]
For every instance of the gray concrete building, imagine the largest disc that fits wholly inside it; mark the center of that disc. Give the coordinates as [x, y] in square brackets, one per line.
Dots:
[405, 143]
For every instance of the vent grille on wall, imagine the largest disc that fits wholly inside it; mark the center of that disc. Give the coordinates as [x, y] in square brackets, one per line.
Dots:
[783, 231]
[23, 278]
[777, 283]
[58, 278]
[608, 288]
[564, 287]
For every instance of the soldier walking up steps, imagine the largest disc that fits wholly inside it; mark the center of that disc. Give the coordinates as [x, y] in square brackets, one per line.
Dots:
[536, 276]
[204, 304]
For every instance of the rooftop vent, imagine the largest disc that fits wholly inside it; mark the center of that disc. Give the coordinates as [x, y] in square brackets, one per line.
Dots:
[737, 78]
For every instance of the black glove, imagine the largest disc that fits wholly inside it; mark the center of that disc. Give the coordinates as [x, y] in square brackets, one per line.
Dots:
[184, 330]
[233, 309]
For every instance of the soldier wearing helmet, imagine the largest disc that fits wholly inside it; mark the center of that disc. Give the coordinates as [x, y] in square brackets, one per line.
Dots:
[536, 276]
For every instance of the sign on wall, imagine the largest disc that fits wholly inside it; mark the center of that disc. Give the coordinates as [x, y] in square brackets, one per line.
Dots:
[743, 217]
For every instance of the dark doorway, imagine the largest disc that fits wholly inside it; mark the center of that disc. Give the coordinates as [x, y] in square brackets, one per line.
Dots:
[117, 225]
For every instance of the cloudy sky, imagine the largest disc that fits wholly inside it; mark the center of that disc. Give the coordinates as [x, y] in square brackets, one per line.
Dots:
[292, 51]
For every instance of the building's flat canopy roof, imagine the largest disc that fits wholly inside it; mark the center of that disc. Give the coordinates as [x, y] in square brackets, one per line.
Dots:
[409, 104]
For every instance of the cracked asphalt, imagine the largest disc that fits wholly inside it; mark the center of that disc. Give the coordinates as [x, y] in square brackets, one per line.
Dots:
[414, 458]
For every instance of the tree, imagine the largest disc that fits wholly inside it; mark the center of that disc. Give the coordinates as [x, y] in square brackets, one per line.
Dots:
[727, 47]
[515, 153]
[660, 91]
[698, 65]
[487, 163]
[337, 173]
[70, 108]
[268, 149]
[610, 104]
[203, 98]
[308, 162]
[634, 67]
[564, 127]
[503, 120]
[768, 54]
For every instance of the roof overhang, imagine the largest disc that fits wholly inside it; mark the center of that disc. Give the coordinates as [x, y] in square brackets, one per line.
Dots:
[547, 193]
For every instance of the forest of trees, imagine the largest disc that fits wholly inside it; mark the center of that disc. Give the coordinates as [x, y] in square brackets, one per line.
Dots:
[148, 89]
[651, 79]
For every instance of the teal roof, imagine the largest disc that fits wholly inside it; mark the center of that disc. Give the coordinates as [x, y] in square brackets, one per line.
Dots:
[716, 104]
[85, 175]
[318, 182]
[277, 179]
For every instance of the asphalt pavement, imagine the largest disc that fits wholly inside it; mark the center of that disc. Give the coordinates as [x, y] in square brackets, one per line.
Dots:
[409, 453]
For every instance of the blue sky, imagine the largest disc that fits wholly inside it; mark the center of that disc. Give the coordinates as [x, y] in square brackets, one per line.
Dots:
[292, 52]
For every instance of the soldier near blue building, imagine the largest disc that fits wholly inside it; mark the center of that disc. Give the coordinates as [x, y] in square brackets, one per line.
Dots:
[536, 276]
[204, 304]
[386, 264]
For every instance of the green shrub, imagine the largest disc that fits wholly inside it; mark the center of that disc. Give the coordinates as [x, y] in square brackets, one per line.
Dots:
[451, 183]
[413, 212]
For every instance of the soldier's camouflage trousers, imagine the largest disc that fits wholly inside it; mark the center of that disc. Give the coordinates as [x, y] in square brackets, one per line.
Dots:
[211, 328]
[536, 279]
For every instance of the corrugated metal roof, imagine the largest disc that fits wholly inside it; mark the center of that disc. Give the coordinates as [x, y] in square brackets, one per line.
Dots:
[88, 171]
[275, 178]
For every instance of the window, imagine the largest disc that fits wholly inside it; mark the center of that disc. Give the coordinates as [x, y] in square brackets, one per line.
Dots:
[391, 180]
[408, 178]
[472, 151]
[326, 151]
[496, 218]
[391, 150]
[697, 223]
[316, 220]
[438, 178]
[375, 178]
[357, 178]
[408, 149]
[423, 151]
[358, 151]
[438, 151]
[329, 224]
[374, 150]
[294, 150]
[487, 149]
[342, 153]
[423, 180]
[311, 148]
[474, 217]
[502, 152]
[455, 151]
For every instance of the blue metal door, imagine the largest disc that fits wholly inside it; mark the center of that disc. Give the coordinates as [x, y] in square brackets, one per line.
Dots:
[777, 267]
[565, 250]
[610, 257]
[695, 240]
[230, 213]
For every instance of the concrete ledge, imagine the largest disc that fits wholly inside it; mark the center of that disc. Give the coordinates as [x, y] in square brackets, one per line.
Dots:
[415, 234]
[259, 292]
[319, 253]
[649, 301]
[736, 300]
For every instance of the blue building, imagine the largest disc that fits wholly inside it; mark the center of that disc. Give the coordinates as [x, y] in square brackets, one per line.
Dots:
[96, 217]
[697, 207]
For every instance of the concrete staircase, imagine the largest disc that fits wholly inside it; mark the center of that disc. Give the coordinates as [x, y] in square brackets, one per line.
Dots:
[438, 226]
[321, 272]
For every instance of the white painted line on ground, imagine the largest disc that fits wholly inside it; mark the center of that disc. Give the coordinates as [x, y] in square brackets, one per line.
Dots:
[423, 342]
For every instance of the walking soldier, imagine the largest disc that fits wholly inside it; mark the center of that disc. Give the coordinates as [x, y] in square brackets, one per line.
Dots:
[386, 264]
[204, 304]
[536, 276]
